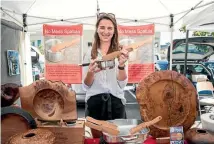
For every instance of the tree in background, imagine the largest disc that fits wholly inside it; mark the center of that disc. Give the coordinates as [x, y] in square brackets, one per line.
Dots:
[41, 49]
[201, 33]
[197, 33]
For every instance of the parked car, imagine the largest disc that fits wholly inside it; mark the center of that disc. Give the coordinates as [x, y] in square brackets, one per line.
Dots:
[38, 61]
[177, 42]
[194, 70]
[198, 53]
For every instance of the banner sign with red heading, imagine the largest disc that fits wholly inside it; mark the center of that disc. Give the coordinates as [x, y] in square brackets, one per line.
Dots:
[141, 60]
[62, 48]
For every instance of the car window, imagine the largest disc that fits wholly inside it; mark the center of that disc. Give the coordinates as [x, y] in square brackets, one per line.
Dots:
[197, 69]
[191, 69]
[211, 66]
[193, 48]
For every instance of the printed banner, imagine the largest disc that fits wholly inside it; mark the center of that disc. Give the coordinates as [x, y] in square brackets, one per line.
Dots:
[141, 60]
[63, 53]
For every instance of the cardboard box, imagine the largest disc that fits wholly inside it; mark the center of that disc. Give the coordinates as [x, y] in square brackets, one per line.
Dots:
[70, 134]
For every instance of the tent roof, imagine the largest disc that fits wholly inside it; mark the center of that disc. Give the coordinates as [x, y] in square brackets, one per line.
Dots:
[201, 21]
[85, 11]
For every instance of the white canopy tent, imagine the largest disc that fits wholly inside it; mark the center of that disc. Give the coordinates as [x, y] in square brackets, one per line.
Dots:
[84, 11]
[165, 14]
[199, 21]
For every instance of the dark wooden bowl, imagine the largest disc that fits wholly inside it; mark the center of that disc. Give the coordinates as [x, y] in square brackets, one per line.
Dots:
[199, 136]
[9, 94]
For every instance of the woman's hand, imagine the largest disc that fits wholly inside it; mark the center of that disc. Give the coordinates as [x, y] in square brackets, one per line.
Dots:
[93, 67]
[123, 57]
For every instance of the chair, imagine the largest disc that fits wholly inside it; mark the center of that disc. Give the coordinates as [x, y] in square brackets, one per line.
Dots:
[205, 94]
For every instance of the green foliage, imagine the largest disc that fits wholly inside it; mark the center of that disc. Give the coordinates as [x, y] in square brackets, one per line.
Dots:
[197, 33]
[183, 29]
[41, 49]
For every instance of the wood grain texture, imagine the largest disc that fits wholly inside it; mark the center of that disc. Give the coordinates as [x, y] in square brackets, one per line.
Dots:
[49, 101]
[199, 136]
[170, 95]
[9, 94]
[34, 136]
[15, 120]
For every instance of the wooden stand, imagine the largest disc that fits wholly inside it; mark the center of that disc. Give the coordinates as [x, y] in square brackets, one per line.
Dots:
[65, 133]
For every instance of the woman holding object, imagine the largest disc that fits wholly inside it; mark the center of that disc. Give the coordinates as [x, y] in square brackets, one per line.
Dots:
[105, 88]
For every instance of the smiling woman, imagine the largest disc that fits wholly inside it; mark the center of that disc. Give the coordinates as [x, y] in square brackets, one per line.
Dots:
[104, 87]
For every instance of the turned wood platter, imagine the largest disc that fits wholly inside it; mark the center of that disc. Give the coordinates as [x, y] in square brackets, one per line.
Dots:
[168, 94]
[49, 101]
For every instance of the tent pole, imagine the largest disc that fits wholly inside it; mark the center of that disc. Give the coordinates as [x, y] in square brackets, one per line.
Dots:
[145, 18]
[98, 9]
[44, 22]
[186, 50]
[3, 9]
[81, 23]
[143, 21]
[12, 17]
[196, 7]
[59, 19]
[77, 22]
[189, 11]
[171, 47]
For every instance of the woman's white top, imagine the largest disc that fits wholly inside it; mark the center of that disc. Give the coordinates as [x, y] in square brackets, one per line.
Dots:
[105, 81]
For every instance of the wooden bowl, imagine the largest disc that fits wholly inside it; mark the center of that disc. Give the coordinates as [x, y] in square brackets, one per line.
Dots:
[49, 104]
[199, 136]
[15, 120]
[170, 95]
[9, 94]
[49, 101]
[34, 136]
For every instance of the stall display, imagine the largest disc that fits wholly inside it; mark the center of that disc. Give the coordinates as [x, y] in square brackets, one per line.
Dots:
[53, 106]
[34, 136]
[170, 95]
[66, 132]
[15, 120]
[166, 98]
[122, 130]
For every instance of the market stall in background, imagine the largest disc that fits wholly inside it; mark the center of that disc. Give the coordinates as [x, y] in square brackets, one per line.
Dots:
[168, 101]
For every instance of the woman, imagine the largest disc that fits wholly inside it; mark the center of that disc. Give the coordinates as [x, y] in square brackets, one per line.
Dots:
[104, 88]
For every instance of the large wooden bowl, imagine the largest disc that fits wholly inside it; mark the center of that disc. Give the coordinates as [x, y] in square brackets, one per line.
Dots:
[170, 95]
[49, 101]
[34, 136]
